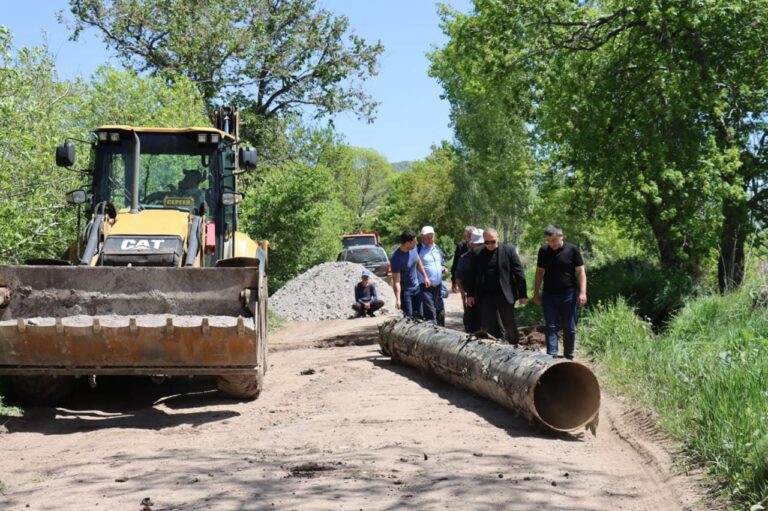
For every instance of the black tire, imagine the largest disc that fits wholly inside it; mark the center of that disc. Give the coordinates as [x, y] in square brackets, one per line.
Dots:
[248, 385]
[241, 385]
[42, 389]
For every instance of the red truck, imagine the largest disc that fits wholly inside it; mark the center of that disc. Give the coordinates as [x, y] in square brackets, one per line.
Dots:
[360, 238]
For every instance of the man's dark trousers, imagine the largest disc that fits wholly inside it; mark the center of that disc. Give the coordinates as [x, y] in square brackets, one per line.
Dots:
[375, 305]
[471, 319]
[432, 303]
[410, 302]
[557, 307]
[497, 317]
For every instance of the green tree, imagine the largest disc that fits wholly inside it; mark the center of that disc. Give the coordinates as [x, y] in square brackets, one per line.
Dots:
[421, 196]
[495, 179]
[294, 207]
[364, 179]
[269, 57]
[123, 97]
[35, 107]
[658, 106]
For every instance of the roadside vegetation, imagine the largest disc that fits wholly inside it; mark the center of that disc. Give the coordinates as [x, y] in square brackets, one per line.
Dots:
[5, 409]
[704, 375]
[274, 321]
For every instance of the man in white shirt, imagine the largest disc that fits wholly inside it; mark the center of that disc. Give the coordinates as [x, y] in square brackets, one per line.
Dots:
[434, 264]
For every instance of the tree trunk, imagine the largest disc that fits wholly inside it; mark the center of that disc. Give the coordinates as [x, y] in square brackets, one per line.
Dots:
[730, 268]
[560, 394]
[672, 247]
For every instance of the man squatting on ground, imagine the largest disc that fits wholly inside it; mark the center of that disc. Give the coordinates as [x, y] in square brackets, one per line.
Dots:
[560, 266]
[405, 264]
[434, 266]
[471, 320]
[494, 280]
[366, 299]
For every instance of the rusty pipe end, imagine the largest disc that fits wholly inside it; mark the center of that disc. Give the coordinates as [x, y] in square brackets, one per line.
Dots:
[567, 396]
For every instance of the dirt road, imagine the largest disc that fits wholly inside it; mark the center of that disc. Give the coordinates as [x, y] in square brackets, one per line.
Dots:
[338, 427]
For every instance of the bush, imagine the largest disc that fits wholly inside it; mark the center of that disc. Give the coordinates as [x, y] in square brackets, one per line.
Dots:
[705, 376]
[611, 328]
[655, 293]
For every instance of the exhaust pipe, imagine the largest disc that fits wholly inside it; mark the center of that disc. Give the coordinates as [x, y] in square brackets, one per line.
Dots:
[559, 394]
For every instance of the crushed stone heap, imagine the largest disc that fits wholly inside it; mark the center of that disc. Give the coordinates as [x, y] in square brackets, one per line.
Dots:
[326, 291]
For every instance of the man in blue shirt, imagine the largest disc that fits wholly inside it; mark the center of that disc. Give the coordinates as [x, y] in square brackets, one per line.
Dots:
[434, 265]
[406, 266]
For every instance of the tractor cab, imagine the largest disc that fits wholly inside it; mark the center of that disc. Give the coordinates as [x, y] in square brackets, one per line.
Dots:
[165, 176]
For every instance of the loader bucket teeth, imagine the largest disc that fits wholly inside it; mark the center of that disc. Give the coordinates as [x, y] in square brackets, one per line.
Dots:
[97, 320]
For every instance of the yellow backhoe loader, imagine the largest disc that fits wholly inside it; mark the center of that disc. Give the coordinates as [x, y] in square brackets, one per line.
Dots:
[159, 283]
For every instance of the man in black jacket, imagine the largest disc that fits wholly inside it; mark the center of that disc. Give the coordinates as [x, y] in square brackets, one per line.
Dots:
[461, 249]
[494, 281]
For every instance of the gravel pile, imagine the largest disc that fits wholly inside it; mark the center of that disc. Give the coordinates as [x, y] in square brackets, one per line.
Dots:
[326, 291]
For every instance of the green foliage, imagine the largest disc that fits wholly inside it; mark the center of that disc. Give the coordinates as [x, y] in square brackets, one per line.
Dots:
[364, 179]
[294, 207]
[274, 321]
[35, 108]
[655, 293]
[401, 166]
[586, 220]
[648, 113]
[124, 97]
[269, 58]
[705, 376]
[609, 326]
[495, 178]
[422, 196]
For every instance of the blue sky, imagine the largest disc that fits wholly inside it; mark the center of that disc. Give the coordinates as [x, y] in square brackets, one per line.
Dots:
[411, 116]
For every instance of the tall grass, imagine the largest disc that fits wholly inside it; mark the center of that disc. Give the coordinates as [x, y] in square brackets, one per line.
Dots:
[706, 375]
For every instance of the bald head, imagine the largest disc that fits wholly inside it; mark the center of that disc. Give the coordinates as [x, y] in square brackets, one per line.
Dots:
[491, 239]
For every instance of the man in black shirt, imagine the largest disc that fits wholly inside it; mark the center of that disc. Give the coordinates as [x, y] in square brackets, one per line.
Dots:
[494, 279]
[461, 249]
[560, 266]
[366, 299]
[471, 318]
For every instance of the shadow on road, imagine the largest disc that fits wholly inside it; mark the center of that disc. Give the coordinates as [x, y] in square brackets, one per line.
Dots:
[493, 413]
[128, 403]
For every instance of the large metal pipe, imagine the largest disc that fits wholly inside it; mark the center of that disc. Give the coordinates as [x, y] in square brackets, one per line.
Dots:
[560, 394]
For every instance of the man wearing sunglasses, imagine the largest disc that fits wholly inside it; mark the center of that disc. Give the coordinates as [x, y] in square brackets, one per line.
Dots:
[494, 280]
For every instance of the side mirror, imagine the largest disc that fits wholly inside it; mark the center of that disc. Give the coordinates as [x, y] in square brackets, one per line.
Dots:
[65, 154]
[231, 198]
[248, 158]
[77, 197]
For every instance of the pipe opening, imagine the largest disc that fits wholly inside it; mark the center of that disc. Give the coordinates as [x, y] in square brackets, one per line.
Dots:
[567, 396]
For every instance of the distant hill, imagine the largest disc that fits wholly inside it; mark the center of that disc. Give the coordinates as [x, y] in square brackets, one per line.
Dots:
[401, 166]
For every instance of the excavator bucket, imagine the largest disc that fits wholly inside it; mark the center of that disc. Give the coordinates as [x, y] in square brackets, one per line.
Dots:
[69, 320]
